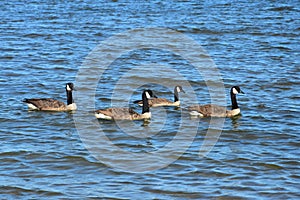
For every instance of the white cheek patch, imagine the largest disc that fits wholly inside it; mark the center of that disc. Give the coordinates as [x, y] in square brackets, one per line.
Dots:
[148, 95]
[178, 89]
[68, 88]
[234, 91]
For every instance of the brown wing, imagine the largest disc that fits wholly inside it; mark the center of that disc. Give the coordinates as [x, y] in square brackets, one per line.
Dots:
[159, 101]
[155, 101]
[47, 104]
[119, 113]
[209, 110]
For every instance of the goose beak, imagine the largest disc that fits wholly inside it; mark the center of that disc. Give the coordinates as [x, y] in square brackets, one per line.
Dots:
[182, 91]
[242, 92]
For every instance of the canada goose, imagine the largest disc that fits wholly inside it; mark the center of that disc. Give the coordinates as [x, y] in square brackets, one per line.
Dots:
[116, 113]
[49, 104]
[156, 102]
[211, 110]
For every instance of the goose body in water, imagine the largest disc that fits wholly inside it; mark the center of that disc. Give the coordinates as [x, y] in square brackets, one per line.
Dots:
[211, 110]
[49, 104]
[116, 113]
[156, 102]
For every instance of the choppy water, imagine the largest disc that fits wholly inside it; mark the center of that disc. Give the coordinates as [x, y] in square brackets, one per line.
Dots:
[254, 45]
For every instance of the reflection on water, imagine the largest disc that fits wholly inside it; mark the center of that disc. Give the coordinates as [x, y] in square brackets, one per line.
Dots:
[235, 121]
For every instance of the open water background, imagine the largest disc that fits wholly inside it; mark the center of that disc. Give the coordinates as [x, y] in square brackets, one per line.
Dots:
[254, 45]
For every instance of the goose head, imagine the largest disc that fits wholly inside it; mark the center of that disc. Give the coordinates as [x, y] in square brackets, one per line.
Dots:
[149, 94]
[178, 88]
[70, 87]
[236, 90]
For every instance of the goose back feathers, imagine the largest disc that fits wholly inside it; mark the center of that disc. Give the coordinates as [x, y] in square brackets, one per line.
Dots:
[116, 113]
[49, 104]
[156, 102]
[211, 110]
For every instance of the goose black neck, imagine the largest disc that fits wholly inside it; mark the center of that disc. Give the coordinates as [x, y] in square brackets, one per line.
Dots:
[145, 103]
[176, 97]
[69, 97]
[234, 103]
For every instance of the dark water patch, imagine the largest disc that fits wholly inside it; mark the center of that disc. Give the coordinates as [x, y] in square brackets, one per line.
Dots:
[173, 194]
[34, 35]
[281, 8]
[270, 166]
[19, 192]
